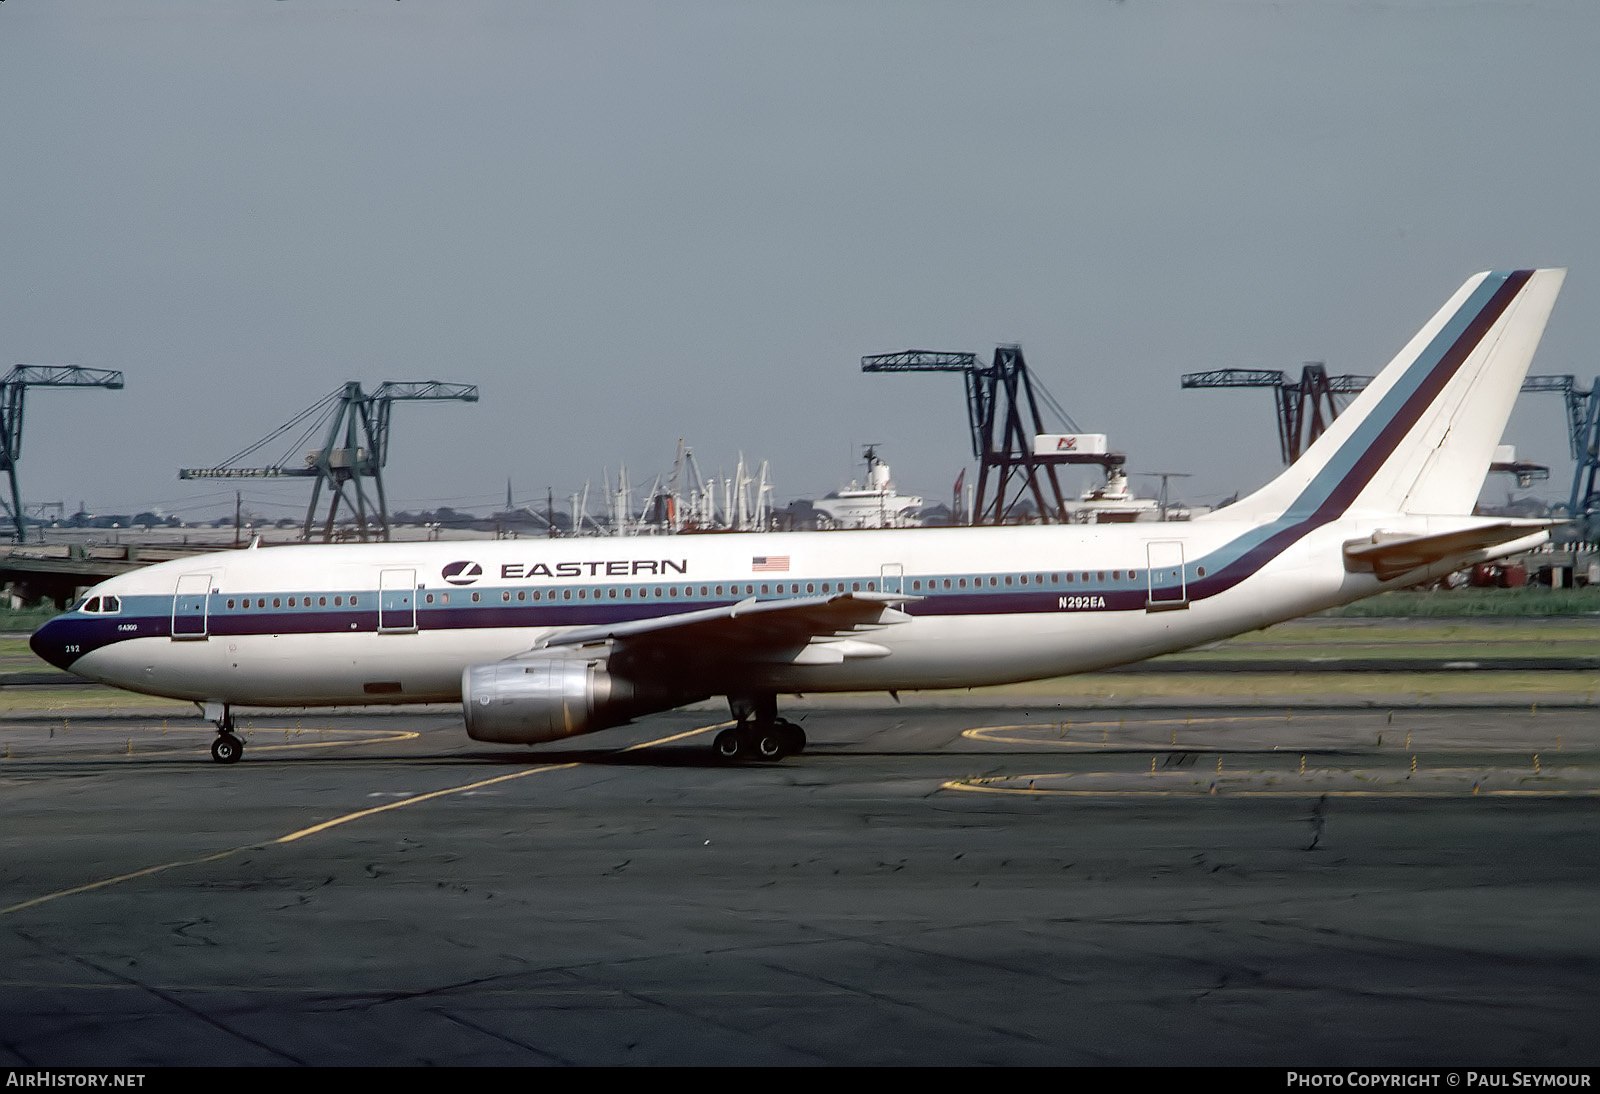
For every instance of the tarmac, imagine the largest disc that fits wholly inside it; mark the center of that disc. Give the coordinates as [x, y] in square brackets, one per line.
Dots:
[955, 880]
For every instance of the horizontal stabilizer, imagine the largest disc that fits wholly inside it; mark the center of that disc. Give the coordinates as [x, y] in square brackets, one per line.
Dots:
[1389, 557]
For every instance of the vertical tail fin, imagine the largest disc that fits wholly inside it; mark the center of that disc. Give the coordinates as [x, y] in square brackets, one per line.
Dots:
[1420, 438]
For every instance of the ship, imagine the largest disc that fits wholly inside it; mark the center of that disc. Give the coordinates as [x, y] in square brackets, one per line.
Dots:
[875, 504]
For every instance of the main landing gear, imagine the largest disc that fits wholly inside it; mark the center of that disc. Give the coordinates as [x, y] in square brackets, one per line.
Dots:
[759, 733]
[227, 748]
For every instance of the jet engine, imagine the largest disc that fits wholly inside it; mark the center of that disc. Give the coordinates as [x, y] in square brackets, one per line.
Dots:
[549, 696]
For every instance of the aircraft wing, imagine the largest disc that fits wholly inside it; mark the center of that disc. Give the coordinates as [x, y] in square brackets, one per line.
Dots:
[1391, 556]
[804, 630]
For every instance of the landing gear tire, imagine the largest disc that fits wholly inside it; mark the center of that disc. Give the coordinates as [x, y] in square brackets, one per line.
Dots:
[758, 733]
[227, 749]
[730, 744]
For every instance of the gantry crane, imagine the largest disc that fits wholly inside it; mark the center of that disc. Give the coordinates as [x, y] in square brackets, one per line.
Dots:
[13, 387]
[1003, 396]
[355, 428]
[1583, 438]
[1305, 409]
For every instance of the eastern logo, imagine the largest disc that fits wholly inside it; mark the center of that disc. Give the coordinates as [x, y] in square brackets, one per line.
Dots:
[462, 573]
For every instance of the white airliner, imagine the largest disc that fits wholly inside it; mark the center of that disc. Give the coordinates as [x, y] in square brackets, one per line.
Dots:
[544, 639]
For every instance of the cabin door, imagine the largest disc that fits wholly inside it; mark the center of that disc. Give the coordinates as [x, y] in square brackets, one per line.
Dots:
[191, 604]
[1167, 588]
[397, 601]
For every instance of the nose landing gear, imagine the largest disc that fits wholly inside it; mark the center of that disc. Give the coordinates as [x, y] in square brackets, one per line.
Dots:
[228, 748]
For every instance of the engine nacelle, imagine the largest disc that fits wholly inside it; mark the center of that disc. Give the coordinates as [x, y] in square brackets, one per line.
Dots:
[545, 698]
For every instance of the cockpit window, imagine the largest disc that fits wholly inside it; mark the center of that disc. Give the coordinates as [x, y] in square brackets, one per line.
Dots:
[102, 605]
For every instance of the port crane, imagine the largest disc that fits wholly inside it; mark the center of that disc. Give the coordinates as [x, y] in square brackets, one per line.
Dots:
[1003, 400]
[355, 430]
[13, 390]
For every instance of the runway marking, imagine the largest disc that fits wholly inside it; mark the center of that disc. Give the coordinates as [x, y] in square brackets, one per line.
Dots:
[993, 735]
[371, 737]
[334, 823]
[148, 870]
[1195, 789]
[1036, 734]
[252, 739]
[403, 802]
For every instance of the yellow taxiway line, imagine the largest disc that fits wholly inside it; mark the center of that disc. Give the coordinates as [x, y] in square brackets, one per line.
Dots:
[333, 823]
[1198, 791]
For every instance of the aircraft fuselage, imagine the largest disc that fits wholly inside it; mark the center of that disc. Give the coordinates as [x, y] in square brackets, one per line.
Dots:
[397, 623]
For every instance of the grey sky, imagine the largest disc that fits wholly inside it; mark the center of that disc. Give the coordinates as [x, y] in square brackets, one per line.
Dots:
[635, 222]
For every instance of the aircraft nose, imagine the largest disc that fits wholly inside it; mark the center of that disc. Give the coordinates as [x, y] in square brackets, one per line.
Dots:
[50, 643]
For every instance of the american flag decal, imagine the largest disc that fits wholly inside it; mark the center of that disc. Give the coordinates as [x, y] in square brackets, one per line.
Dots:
[769, 564]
